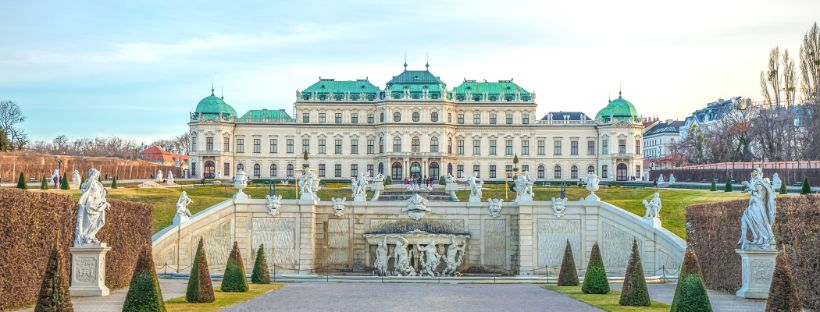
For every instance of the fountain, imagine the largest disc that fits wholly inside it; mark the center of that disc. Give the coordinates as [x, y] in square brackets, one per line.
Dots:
[418, 248]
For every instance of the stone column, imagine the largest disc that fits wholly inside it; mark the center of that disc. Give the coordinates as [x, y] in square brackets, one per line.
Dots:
[526, 248]
[757, 269]
[88, 271]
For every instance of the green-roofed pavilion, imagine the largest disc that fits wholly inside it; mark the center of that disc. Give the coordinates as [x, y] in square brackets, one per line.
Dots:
[213, 106]
[342, 90]
[414, 84]
[266, 115]
[506, 90]
[618, 109]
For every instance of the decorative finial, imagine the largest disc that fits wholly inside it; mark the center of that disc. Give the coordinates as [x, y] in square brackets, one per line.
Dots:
[212, 87]
[619, 90]
[427, 64]
[405, 60]
[223, 93]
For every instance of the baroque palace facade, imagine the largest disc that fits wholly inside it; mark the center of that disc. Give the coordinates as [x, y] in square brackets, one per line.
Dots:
[415, 127]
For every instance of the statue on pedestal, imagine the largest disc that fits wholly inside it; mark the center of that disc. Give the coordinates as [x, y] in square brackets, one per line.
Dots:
[475, 184]
[672, 178]
[170, 177]
[758, 218]
[240, 183]
[653, 210]
[523, 188]
[359, 187]
[592, 186]
[90, 210]
[76, 178]
[183, 214]
[159, 177]
[308, 185]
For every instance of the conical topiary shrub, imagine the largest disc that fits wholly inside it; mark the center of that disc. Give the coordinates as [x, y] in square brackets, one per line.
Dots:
[728, 187]
[114, 183]
[388, 180]
[805, 189]
[21, 181]
[595, 281]
[144, 293]
[234, 279]
[783, 188]
[54, 295]
[44, 184]
[260, 274]
[634, 292]
[690, 293]
[783, 291]
[568, 275]
[64, 182]
[200, 289]
[713, 187]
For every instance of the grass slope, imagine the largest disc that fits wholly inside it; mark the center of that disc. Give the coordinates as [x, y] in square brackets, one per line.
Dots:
[607, 302]
[223, 299]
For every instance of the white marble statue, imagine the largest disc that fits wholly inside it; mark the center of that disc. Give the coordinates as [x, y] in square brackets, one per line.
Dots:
[159, 177]
[451, 186]
[90, 210]
[416, 207]
[559, 206]
[475, 184]
[494, 206]
[273, 203]
[672, 178]
[653, 210]
[660, 179]
[309, 185]
[430, 259]
[776, 181]
[183, 214]
[240, 183]
[76, 178]
[758, 218]
[381, 258]
[338, 206]
[401, 259]
[453, 258]
[523, 188]
[592, 186]
[359, 188]
[170, 177]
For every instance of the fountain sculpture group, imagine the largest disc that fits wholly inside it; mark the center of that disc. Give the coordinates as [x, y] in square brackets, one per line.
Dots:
[415, 254]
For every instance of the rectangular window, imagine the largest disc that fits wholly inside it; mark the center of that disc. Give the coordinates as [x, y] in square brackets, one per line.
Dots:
[590, 147]
[637, 171]
[542, 147]
[337, 170]
[289, 146]
[509, 119]
[370, 118]
[322, 146]
[226, 169]
[573, 147]
[354, 118]
[321, 170]
[476, 147]
[508, 171]
[556, 149]
[370, 146]
[508, 147]
[525, 147]
[322, 118]
[209, 144]
[240, 145]
[621, 146]
[460, 147]
[460, 170]
[397, 145]
[637, 147]
[605, 146]
[274, 146]
[460, 119]
[338, 118]
[193, 148]
[493, 147]
[305, 145]
[354, 170]
[492, 171]
[370, 170]
[476, 118]
[354, 146]
[226, 144]
[305, 117]
[477, 171]
[525, 120]
[493, 119]
[525, 168]
[338, 147]
[604, 171]
[257, 146]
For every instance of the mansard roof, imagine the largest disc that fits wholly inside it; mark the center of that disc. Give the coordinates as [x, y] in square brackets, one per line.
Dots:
[502, 89]
[672, 126]
[325, 85]
[566, 116]
[266, 115]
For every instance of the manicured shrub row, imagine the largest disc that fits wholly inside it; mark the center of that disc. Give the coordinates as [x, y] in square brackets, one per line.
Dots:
[38, 165]
[798, 232]
[127, 231]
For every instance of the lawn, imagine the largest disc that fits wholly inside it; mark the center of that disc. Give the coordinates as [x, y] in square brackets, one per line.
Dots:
[607, 302]
[222, 299]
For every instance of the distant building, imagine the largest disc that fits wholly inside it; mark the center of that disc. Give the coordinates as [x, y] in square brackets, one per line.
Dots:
[658, 139]
[159, 155]
[713, 112]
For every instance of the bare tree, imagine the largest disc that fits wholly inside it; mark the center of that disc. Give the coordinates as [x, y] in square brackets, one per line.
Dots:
[11, 116]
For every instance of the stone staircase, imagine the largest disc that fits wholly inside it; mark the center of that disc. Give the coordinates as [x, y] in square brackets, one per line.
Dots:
[402, 195]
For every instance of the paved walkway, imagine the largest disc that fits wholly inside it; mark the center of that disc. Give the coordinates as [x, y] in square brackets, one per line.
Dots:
[366, 297]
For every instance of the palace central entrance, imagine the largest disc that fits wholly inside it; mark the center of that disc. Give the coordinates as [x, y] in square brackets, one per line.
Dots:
[415, 170]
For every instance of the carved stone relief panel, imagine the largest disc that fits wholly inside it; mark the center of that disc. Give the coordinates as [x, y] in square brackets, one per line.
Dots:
[616, 247]
[552, 240]
[495, 242]
[217, 243]
[279, 237]
[338, 241]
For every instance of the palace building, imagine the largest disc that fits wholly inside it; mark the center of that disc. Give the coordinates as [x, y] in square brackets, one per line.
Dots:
[416, 126]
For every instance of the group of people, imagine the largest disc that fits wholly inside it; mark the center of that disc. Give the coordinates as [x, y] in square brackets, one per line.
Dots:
[426, 181]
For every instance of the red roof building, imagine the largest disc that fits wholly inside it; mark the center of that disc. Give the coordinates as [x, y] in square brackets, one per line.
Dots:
[157, 154]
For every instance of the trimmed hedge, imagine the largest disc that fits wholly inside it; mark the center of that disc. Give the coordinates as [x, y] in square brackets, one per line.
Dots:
[144, 293]
[568, 275]
[261, 274]
[54, 295]
[127, 231]
[634, 291]
[200, 288]
[595, 281]
[234, 279]
[797, 231]
[783, 291]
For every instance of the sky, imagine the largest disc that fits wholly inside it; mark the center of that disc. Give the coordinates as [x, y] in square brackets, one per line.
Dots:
[136, 69]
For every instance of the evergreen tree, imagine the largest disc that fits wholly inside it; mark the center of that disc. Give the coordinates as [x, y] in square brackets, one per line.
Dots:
[261, 274]
[44, 184]
[634, 292]
[54, 295]
[388, 180]
[21, 182]
[234, 279]
[144, 293]
[713, 187]
[200, 289]
[690, 293]
[64, 182]
[595, 281]
[114, 183]
[728, 187]
[568, 275]
[806, 189]
[783, 290]
[442, 181]
[783, 188]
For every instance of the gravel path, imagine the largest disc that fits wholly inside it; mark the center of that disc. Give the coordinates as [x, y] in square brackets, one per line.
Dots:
[365, 297]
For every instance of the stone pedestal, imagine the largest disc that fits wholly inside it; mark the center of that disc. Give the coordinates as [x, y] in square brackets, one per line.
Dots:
[474, 199]
[592, 197]
[758, 267]
[241, 195]
[88, 271]
[359, 199]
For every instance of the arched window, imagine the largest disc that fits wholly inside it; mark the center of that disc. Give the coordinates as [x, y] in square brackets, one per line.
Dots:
[434, 145]
[415, 116]
[434, 116]
[381, 168]
[273, 171]
[434, 170]
[396, 116]
[541, 172]
[257, 171]
[396, 144]
[556, 172]
[450, 148]
[573, 172]
[381, 117]
[590, 170]
[290, 170]
[381, 145]
[397, 172]
[415, 145]
[450, 169]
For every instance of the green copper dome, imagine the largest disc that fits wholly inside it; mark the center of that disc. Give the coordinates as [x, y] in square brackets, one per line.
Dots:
[618, 109]
[212, 106]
